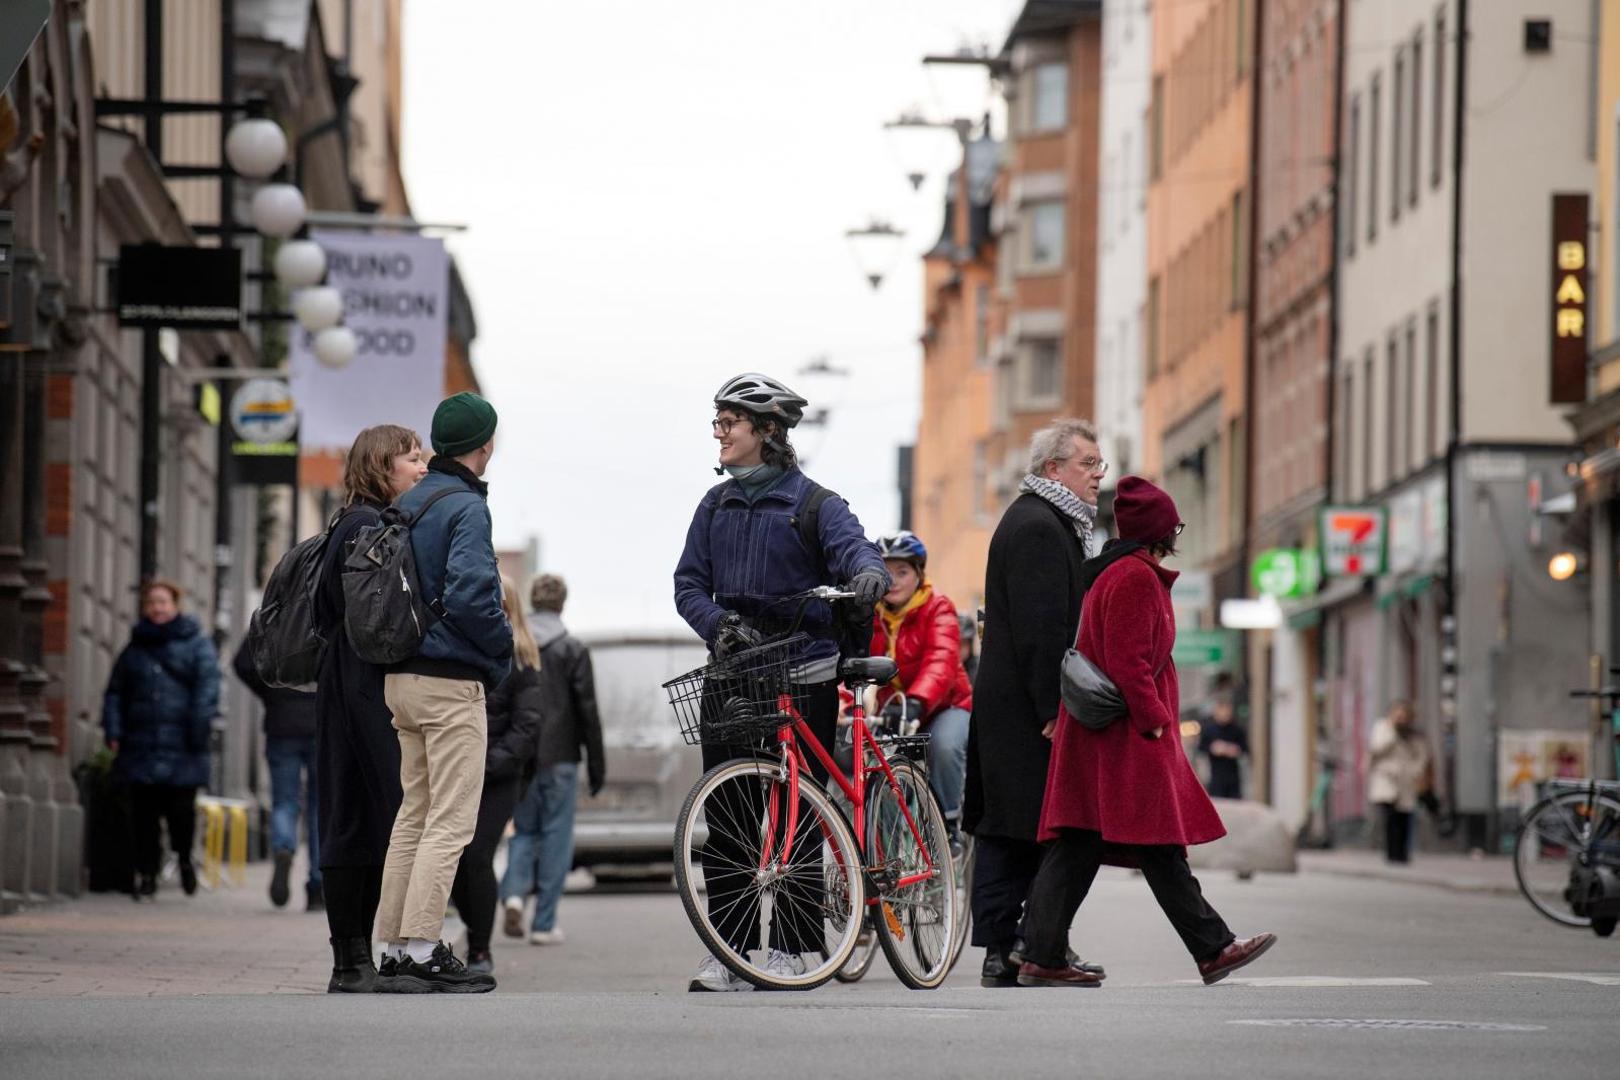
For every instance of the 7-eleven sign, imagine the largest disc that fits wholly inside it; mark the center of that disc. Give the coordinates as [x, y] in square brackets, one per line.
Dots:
[1353, 541]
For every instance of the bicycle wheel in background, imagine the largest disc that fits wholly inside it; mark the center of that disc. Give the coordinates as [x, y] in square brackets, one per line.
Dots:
[810, 888]
[964, 897]
[915, 924]
[861, 958]
[1554, 832]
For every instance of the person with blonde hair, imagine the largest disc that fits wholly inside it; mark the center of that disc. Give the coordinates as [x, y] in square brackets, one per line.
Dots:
[514, 728]
[356, 751]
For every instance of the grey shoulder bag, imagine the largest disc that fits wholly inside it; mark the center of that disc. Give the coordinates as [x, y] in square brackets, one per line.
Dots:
[1090, 696]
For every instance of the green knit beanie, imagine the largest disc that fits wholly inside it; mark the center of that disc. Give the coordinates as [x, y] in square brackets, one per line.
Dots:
[462, 423]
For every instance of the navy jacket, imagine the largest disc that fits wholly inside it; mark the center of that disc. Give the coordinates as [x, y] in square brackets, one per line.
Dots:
[160, 704]
[746, 557]
[455, 564]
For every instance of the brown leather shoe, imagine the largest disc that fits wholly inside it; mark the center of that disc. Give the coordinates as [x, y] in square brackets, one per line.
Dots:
[1240, 952]
[1035, 975]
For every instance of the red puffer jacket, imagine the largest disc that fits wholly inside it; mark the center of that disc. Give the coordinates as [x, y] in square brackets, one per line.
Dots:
[929, 654]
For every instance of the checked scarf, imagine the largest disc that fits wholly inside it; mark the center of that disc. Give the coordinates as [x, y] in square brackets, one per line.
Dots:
[1077, 510]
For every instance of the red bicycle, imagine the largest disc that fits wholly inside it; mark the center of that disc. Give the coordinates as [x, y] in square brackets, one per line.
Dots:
[767, 864]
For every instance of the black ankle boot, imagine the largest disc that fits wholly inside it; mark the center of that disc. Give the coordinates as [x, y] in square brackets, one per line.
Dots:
[352, 969]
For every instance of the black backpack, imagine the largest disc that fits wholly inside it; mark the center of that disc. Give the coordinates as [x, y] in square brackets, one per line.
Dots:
[283, 640]
[383, 607]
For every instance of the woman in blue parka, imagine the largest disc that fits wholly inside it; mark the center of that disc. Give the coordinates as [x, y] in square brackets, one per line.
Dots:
[746, 552]
[157, 715]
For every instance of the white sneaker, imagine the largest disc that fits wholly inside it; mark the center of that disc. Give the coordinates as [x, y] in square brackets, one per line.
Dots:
[547, 937]
[784, 965]
[713, 977]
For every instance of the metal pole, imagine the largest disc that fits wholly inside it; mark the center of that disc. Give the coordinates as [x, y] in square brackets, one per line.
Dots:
[151, 357]
[224, 472]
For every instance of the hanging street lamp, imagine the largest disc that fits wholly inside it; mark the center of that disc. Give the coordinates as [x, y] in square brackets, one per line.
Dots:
[335, 346]
[918, 144]
[278, 210]
[318, 307]
[256, 147]
[875, 247]
[300, 264]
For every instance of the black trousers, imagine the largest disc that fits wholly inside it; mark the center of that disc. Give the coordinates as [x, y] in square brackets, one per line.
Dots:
[151, 805]
[727, 862]
[1070, 866]
[1003, 871]
[475, 892]
[352, 894]
[1397, 833]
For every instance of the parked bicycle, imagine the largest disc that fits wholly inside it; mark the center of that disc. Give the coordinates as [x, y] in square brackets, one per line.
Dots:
[1566, 855]
[798, 870]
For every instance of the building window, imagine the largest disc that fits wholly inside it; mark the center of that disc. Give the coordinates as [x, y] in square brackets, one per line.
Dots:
[1367, 411]
[1411, 456]
[1049, 104]
[981, 324]
[1127, 179]
[1392, 405]
[1437, 128]
[1373, 104]
[1043, 225]
[1347, 433]
[1242, 28]
[981, 482]
[1397, 135]
[1154, 338]
[1043, 373]
[1156, 130]
[1431, 346]
[1239, 255]
[1350, 172]
[1414, 166]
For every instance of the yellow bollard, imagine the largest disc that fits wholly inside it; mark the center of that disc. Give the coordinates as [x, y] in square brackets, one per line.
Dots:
[213, 841]
[239, 844]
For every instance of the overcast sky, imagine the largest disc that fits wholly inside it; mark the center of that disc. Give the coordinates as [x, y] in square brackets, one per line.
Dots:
[657, 196]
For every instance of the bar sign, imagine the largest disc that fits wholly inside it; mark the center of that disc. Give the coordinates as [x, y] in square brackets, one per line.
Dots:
[1569, 258]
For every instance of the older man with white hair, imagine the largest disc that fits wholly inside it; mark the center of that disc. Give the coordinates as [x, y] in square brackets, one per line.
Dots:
[1031, 616]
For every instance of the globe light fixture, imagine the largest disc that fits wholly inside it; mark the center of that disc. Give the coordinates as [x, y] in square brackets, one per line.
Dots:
[921, 146]
[278, 210]
[1562, 566]
[318, 307]
[300, 264]
[256, 147]
[875, 248]
[335, 346]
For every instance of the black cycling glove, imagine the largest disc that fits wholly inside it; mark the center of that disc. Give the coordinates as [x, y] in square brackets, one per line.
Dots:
[869, 586]
[733, 636]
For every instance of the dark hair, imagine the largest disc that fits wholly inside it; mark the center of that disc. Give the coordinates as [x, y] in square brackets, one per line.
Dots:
[367, 475]
[1163, 549]
[548, 592]
[151, 585]
[776, 449]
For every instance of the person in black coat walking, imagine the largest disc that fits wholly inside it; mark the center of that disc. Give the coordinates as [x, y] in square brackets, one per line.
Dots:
[158, 716]
[357, 751]
[514, 718]
[289, 749]
[1031, 616]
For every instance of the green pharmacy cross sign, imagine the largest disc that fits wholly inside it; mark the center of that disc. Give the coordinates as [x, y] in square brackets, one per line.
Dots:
[1286, 573]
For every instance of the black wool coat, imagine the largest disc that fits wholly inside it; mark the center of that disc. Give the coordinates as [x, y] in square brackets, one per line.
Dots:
[356, 747]
[1031, 615]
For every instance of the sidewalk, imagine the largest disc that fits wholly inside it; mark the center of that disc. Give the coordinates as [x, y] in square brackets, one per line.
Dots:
[1492, 874]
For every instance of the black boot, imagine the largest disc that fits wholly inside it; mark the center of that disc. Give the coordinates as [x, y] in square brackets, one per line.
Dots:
[314, 898]
[145, 887]
[352, 969]
[279, 891]
[188, 877]
[998, 971]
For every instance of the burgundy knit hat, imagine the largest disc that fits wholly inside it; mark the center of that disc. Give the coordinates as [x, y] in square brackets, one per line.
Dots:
[1144, 512]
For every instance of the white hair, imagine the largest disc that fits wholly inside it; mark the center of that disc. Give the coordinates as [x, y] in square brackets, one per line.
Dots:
[1055, 442]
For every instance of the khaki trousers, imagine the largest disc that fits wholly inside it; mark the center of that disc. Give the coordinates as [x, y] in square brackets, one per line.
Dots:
[442, 740]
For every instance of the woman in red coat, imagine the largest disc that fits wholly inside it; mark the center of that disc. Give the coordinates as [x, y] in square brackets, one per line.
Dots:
[918, 629]
[1129, 786]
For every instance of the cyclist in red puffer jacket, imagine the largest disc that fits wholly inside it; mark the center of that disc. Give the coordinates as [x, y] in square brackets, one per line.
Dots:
[917, 627]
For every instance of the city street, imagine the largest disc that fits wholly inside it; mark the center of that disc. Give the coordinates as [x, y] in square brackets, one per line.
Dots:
[1370, 977]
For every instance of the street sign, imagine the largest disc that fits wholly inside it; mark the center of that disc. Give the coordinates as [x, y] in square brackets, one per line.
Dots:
[1286, 572]
[1353, 541]
[264, 423]
[186, 288]
[1205, 648]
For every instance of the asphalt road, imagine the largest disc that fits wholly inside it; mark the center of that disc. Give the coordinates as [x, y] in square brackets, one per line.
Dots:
[1370, 978]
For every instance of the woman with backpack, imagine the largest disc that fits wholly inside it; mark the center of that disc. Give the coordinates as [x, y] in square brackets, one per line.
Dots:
[158, 716]
[749, 550]
[513, 714]
[356, 748]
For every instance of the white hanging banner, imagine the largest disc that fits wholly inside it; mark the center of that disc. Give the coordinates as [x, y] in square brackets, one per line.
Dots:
[395, 299]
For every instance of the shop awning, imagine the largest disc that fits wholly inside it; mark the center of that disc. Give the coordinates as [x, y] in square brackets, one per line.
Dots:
[1307, 611]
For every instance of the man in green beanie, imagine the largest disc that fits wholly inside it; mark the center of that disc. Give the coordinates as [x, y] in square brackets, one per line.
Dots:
[437, 698]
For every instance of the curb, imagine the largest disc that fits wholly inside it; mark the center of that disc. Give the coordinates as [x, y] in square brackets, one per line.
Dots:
[1406, 878]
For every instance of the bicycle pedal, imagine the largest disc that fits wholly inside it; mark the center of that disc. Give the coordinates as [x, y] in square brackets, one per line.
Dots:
[893, 920]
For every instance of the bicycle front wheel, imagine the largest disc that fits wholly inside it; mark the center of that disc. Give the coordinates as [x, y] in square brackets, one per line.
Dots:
[916, 911]
[1556, 831]
[750, 888]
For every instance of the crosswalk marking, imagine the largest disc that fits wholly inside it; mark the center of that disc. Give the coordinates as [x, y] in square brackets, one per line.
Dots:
[1595, 978]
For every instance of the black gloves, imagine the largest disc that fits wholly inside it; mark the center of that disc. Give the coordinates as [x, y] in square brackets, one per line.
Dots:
[596, 781]
[901, 707]
[869, 586]
[733, 636]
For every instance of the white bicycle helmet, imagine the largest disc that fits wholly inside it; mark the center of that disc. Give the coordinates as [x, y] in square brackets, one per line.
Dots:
[763, 395]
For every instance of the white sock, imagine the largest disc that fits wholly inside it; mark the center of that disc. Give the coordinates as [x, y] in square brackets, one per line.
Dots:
[420, 949]
[396, 950]
[515, 903]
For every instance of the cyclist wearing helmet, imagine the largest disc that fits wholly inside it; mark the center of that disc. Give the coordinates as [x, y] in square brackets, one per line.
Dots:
[917, 628]
[745, 553]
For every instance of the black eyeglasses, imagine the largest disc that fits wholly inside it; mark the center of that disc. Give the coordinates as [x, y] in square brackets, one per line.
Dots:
[723, 424]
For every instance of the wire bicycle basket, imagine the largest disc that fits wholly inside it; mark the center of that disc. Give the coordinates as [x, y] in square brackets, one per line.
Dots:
[739, 700]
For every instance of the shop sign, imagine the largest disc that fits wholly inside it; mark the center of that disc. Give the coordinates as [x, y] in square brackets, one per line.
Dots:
[182, 288]
[264, 430]
[1406, 531]
[1286, 573]
[1526, 759]
[1353, 541]
[1205, 648]
[1569, 307]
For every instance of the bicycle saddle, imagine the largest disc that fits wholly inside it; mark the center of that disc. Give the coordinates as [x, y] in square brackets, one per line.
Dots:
[867, 669]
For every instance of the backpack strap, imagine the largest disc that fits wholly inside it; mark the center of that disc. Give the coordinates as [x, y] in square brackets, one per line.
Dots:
[412, 519]
[808, 522]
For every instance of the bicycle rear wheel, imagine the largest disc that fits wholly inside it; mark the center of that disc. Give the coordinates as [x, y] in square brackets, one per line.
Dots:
[915, 923]
[1555, 831]
[805, 898]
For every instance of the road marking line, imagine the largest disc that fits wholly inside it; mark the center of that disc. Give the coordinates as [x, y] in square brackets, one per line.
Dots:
[1292, 982]
[1390, 1025]
[1595, 978]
